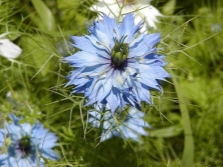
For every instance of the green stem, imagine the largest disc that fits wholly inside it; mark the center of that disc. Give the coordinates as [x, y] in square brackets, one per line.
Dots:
[98, 139]
[188, 153]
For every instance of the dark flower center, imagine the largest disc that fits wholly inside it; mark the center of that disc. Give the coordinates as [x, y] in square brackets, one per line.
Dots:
[119, 52]
[24, 145]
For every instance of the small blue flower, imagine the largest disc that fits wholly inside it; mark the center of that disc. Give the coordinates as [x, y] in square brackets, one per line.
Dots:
[26, 145]
[115, 64]
[129, 126]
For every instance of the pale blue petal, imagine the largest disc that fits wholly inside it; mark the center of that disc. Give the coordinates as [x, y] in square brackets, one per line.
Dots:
[136, 41]
[152, 39]
[113, 99]
[106, 136]
[126, 29]
[145, 96]
[2, 136]
[3, 158]
[103, 39]
[14, 131]
[128, 133]
[110, 27]
[86, 59]
[49, 141]
[26, 128]
[84, 44]
[50, 154]
[14, 119]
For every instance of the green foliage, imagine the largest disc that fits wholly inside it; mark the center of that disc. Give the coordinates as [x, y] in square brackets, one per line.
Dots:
[32, 86]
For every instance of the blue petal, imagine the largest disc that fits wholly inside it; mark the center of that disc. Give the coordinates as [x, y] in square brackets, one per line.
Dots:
[81, 59]
[14, 119]
[104, 39]
[50, 154]
[152, 39]
[145, 95]
[84, 44]
[126, 28]
[3, 158]
[2, 136]
[14, 131]
[110, 27]
[105, 136]
[136, 41]
[26, 128]
[97, 44]
[113, 99]
[128, 133]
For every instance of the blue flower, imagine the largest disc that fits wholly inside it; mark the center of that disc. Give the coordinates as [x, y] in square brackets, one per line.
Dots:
[129, 126]
[26, 145]
[116, 65]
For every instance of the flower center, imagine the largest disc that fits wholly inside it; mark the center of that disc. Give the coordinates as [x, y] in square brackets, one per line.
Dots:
[24, 145]
[119, 52]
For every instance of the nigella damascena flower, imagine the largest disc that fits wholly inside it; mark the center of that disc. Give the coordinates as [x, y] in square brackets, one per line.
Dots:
[115, 65]
[141, 8]
[8, 49]
[129, 125]
[25, 145]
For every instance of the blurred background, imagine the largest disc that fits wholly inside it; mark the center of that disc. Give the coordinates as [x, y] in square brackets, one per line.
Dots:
[186, 120]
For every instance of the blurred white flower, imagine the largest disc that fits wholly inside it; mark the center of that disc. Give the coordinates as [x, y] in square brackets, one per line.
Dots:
[141, 8]
[8, 49]
[216, 28]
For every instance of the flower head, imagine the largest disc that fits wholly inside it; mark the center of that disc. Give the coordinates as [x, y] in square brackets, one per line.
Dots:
[26, 144]
[115, 65]
[141, 8]
[129, 126]
[8, 49]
